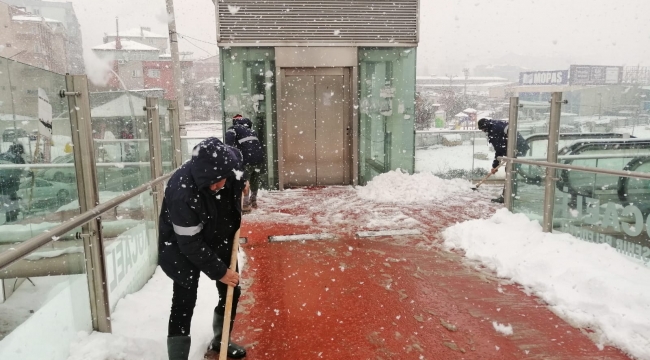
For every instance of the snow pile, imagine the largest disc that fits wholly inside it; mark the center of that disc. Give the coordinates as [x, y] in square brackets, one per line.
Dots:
[109, 346]
[590, 285]
[140, 323]
[399, 187]
[502, 328]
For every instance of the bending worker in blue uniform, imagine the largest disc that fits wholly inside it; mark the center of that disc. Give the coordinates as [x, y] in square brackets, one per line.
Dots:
[200, 215]
[497, 134]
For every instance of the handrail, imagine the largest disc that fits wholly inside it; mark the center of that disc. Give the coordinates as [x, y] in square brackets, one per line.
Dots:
[71, 165]
[203, 123]
[19, 251]
[589, 157]
[633, 174]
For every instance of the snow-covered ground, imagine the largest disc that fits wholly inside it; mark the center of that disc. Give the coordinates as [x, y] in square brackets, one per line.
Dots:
[440, 159]
[396, 187]
[590, 285]
[140, 323]
[140, 319]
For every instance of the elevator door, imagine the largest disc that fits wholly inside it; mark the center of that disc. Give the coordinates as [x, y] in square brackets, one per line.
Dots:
[316, 141]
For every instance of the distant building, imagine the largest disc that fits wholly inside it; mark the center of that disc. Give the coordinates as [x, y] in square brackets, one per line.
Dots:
[33, 39]
[206, 68]
[142, 35]
[159, 74]
[126, 50]
[205, 98]
[476, 85]
[64, 13]
[139, 62]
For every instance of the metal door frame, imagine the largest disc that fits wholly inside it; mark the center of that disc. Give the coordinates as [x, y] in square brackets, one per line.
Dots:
[350, 155]
[317, 57]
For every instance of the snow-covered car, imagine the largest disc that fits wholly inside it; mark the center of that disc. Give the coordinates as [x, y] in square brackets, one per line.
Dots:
[39, 193]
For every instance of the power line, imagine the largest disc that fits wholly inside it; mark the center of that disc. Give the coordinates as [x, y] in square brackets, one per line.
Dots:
[196, 46]
[203, 41]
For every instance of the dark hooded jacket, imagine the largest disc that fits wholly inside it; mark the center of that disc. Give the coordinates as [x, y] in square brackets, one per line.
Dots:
[197, 226]
[497, 133]
[243, 137]
[10, 178]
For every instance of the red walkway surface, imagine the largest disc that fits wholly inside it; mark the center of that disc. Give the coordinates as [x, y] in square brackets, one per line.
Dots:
[384, 298]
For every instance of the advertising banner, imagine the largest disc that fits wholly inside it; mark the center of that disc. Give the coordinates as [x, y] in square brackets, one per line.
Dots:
[557, 77]
[596, 75]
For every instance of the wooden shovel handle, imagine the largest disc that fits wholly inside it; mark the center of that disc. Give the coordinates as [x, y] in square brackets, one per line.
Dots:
[225, 335]
[486, 177]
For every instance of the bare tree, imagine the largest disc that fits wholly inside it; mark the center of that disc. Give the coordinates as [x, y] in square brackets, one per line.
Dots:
[424, 112]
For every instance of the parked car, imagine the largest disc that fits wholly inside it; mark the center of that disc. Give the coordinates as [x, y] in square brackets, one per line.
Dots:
[45, 194]
[109, 178]
[10, 134]
[62, 174]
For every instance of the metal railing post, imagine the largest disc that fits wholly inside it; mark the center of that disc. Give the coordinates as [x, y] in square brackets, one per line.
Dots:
[86, 171]
[155, 149]
[551, 157]
[177, 158]
[510, 151]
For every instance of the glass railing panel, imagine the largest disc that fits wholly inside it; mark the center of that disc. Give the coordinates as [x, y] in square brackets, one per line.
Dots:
[130, 238]
[528, 191]
[121, 140]
[616, 215]
[38, 188]
[44, 299]
[188, 144]
[596, 109]
[453, 154]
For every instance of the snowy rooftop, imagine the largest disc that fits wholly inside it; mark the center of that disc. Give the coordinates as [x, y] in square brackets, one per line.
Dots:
[127, 45]
[33, 18]
[138, 32]
[119, 107]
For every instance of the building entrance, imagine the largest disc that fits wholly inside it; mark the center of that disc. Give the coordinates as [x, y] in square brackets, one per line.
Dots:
[316, 126]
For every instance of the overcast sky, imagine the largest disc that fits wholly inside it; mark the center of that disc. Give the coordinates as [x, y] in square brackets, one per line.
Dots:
[542, 34]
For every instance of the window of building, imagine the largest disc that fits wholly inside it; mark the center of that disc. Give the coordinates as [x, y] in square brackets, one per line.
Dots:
[153, 73]
[136, 73]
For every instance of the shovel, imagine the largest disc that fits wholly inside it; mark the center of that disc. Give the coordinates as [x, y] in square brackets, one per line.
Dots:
[475, 188]
[225, 335]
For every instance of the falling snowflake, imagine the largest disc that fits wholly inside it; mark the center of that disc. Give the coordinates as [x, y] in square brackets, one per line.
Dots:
[233, 9]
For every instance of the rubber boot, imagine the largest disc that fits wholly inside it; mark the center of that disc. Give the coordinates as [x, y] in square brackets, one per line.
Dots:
[498, 200]
[234, 351]
[178, 347]
[246, 207]
[254, 200]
